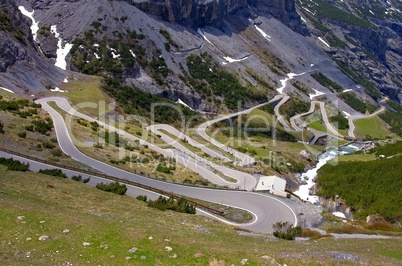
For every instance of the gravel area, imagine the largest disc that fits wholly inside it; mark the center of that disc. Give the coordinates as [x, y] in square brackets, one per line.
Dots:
[308, 214]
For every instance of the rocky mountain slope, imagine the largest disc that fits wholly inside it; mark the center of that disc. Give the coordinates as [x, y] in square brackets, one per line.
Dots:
[363, 37]
[254, 43]
[22, 68]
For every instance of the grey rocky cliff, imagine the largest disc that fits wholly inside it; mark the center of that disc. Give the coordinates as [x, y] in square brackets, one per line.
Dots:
[13, 49]
[22, 68]
[206, 12]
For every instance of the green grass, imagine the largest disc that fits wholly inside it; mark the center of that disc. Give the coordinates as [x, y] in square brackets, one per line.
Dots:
[317, 126]
[85, 93]
[113, 224]
[359, 157]
[368, 187]
[396, 254]
[373, 127]
[325, 10]
[388, 149]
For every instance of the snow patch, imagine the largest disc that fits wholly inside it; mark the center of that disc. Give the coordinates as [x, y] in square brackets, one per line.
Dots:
[308, 11]
[231, 60]
[283, 81]
[324, 42]
[339, 214]
[266, 36]
[6, 89]
[56, 89]
[115, 55]
[97, 56]
[179, 101]
[62, 50]
[132, 53]
[200, 32]
[316, 93]
[35, 24]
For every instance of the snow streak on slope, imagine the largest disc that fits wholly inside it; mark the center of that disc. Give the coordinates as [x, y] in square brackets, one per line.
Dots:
[35, 24]
[324, 42]
[266, 36]
[62, 50]
[179, 101]
[316, 93]
[200, 32]
[231, 60]
[283, 81]
[6, 89]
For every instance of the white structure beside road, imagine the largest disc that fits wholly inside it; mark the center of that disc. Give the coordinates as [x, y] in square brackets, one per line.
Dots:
[272, 184]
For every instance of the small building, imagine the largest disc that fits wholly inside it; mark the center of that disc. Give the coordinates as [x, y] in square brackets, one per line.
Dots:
[272, 184]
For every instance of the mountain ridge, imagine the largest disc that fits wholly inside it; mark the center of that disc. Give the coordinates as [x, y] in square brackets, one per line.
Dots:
[247, 29]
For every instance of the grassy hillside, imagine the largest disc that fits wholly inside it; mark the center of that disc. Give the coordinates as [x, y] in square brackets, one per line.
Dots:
[372, 127]
[372, 187]
[34, 205]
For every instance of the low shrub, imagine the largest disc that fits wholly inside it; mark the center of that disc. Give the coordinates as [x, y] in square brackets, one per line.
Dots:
[79, 178]
[142, 198]
[48, 145]
[22, 135]
[286, 230]
[114, 187]
[180, 205]
[14, 165]
[53, 172]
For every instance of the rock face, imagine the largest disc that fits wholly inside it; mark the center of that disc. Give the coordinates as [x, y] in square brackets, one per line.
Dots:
[206, 12]
[369, 43]
[22, 69]
[13, 24]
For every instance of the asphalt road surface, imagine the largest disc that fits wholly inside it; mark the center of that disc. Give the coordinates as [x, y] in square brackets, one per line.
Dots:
[267, 210]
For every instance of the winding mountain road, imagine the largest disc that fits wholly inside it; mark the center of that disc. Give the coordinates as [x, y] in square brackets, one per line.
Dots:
[244, 158]
[266, 210]
[352, 118]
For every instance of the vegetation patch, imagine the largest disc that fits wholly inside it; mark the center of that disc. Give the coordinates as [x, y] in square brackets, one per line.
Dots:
[371, 128]
[327, 82]
[122, 230]
[151, 107]
[356, 103]
[14, 165]
[388, 149]
[114, 187]
[53, 172]
[293, 107]
[353, 74]
[341, 121]
[301, 87]
[393, 118]
[210, 80]
[95, 57]
[325, 10]
[286, 230]
[179, 205]
[79, 178]
[368, 187]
